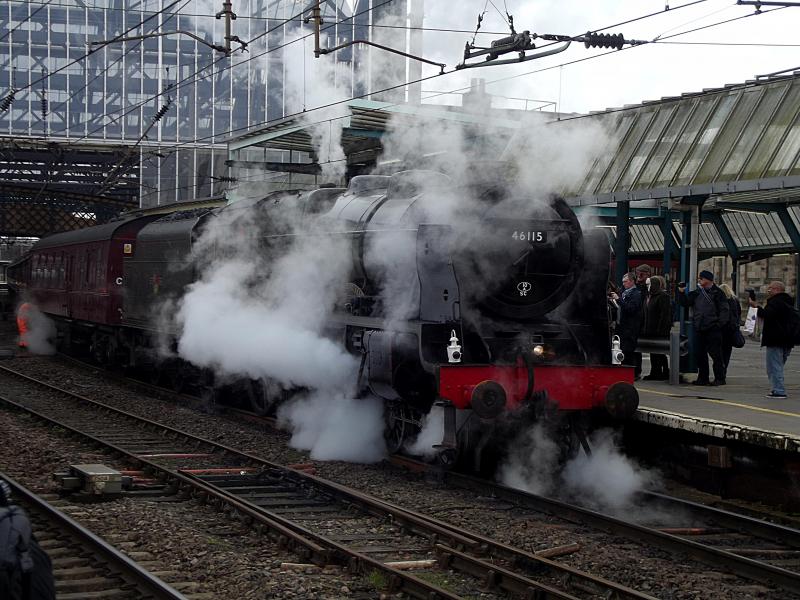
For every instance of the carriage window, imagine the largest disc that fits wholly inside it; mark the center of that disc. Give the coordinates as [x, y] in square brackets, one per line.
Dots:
[81, 278]
[90, 262]
[101, 261]
[51, 270]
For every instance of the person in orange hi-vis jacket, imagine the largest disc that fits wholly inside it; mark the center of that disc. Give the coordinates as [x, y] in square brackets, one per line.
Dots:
[23, 313]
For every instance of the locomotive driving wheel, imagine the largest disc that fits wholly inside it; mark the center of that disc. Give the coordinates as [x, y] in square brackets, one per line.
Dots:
[403, 423]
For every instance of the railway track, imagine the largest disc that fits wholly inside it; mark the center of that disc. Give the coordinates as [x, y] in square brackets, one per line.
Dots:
[753, 548]
[322, 522]
[83, 564]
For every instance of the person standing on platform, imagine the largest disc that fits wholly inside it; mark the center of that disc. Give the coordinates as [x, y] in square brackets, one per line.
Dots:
[734, 322]
[710, 315]
[642, 274]
[630, 322]
[776, 335]
[657, 324]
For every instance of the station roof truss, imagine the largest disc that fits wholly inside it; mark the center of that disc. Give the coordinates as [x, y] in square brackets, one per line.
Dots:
[47, 187]
[733, 150]
[363, 123]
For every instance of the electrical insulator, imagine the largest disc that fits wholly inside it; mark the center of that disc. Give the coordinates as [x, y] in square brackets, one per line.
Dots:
[44, 105]
[604, 40]
[5, 104]
[163, 110]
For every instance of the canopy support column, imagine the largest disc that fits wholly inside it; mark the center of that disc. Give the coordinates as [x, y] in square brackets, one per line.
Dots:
[623, 241]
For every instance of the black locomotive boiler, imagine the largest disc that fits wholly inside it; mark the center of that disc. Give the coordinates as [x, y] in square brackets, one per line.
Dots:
[469, 296]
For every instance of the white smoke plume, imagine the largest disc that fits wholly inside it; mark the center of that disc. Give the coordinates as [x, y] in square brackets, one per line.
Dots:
[534, 462]
[261, 314]
[336, 427]
[41, 331]
[606, 480]
[429, 436]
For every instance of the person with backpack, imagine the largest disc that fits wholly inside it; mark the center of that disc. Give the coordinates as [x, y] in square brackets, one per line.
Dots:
[26, 572]
[731, 334]
[779, 333]
[711, 313]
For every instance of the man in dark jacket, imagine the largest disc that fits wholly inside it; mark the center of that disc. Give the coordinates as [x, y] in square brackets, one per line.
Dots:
[630, 321]
[775, 336]
[657, 324]
[710, 314]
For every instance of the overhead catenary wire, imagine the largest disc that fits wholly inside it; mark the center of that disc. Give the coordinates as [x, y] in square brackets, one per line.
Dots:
[335, 103]
[25, 20]
[241, 17]
[551, 67]
[118, 167]
[175, 147]
[135, 46]
[602, 54]
[461, 88]
[249, 126]
[185, 80]
[92, 51]
[196, 76]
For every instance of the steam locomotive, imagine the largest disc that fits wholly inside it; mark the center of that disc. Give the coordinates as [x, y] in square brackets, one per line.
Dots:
[503, 321]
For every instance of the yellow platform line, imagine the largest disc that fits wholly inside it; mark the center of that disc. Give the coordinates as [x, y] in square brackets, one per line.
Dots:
[726, 403]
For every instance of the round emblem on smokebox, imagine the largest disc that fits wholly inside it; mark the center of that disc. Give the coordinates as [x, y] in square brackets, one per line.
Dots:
[524, 287]
[488, 399]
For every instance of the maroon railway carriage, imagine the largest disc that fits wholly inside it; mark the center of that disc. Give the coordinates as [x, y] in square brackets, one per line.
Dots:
[78, 275]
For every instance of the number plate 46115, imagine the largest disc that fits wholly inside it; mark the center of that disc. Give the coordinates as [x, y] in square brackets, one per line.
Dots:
[529, 236]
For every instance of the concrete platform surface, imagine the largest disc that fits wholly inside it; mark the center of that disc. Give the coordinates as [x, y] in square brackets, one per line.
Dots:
[737, 411]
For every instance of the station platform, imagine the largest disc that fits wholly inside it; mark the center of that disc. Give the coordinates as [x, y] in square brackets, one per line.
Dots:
[737, 411]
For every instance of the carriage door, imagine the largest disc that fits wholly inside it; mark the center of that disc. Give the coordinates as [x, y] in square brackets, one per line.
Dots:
[69, 265]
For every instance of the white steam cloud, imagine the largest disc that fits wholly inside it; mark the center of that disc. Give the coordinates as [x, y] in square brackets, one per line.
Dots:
[336, 427]
[429, 436]
[606, 479]
[261, 313]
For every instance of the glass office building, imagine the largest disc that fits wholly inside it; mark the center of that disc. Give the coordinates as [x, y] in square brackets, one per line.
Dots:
[77, 94]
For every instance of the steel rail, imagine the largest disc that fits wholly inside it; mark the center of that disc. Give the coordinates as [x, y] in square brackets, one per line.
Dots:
[128, 569]
[753, 526]
[320, 549]
[729, 560]
[306, 543]
[739, 565]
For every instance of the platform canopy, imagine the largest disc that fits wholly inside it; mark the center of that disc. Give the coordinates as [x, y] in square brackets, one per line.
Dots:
[735, 151]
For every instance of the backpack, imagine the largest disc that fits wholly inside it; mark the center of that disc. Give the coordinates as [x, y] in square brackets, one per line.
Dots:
[26, 572]
[793, 326]
[16, 563]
